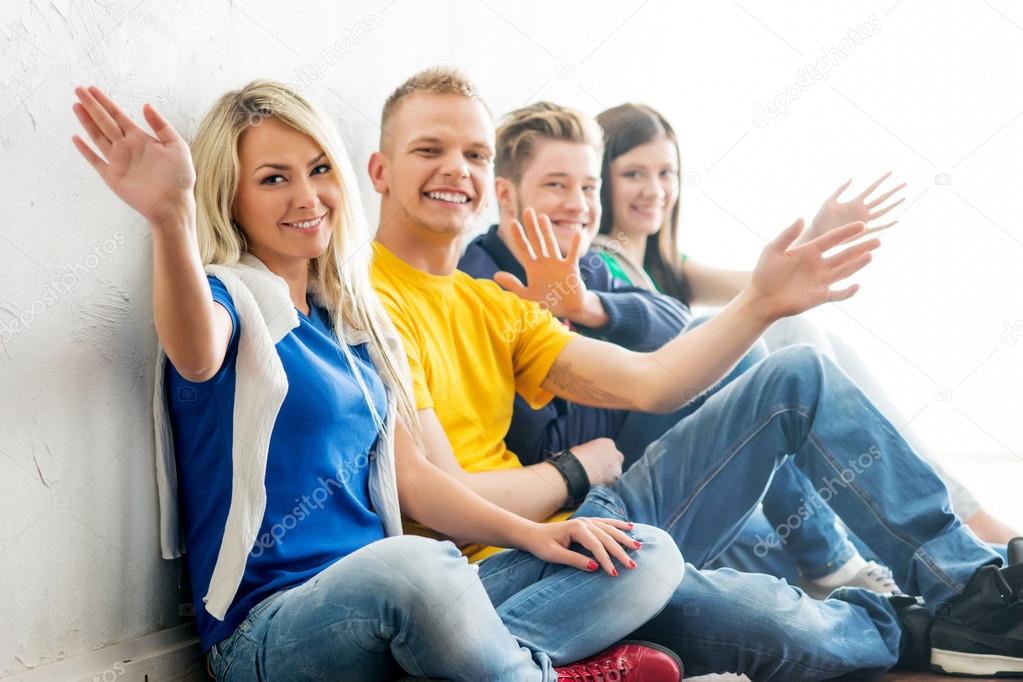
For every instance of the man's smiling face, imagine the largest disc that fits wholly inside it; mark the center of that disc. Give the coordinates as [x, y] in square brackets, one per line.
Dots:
[439, 151]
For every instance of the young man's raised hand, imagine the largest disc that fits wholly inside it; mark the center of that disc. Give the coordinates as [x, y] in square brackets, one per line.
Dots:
[554, 279]
[791, 278]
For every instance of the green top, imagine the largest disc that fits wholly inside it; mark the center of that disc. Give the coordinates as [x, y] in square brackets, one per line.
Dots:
[616, 269]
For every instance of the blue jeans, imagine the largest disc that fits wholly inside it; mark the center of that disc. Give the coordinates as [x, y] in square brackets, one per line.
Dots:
[703, 479]
[816, 546]
[411, 605]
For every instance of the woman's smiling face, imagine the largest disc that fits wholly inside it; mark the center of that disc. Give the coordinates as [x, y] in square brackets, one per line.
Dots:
[287, 195]
[644, 186]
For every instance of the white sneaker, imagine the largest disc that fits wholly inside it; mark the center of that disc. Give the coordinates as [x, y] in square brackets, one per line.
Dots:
[854, 573]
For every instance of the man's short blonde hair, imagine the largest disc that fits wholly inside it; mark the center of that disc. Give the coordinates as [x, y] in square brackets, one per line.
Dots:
[436, 80]
[520, 130]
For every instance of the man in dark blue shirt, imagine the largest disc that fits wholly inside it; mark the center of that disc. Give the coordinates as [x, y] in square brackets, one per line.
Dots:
[600, 306]
[636, 319]
[548, 158]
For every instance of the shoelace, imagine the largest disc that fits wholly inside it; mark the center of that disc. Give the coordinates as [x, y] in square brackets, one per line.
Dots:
[612, 671]
[883, 575]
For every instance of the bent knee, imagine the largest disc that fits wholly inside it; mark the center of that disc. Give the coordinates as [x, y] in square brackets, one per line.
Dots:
[659, 567]
[422, 568]
[800, 361]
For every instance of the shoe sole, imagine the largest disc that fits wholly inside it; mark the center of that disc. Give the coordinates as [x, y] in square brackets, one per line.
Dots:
[664, 650]
[975, 665]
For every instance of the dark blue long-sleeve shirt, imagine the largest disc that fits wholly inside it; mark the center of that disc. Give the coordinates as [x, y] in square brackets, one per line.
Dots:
[638, 319]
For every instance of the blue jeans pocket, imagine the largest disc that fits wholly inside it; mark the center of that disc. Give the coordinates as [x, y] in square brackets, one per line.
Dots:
[221, 656]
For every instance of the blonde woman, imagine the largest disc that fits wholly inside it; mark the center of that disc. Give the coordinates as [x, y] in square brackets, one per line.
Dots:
[281, 410]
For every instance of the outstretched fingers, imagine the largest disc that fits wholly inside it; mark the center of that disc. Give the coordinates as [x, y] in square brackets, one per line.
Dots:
[550, 241]
[161, 128]
[841, 188]
[850, 253]
[85, 150]
[839, 235]
[788, 236]
[101, 141]
[877, 214]
[520, 246]
[873, 186]
[887, 195]
[510, 282]
[850, 268]
[100, 116]
[119, 117]
[835, 295]
[532, 231]
[879, 228]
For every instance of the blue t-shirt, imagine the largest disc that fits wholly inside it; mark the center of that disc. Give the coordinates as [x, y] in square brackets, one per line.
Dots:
[317, 475]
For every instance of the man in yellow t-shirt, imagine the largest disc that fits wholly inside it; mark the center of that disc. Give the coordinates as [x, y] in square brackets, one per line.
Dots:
[465, 338]
[471, 346]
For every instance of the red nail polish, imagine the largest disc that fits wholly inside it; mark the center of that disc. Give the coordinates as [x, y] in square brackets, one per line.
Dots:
[632, 564]
[631, 525]
[614, 572]
[637, 543]
[592, 566]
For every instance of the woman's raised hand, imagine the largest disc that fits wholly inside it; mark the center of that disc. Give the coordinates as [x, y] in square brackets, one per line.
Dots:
[153, 175]
[861, 208]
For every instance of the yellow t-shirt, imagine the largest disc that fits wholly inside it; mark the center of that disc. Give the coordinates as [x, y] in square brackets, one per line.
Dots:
[471, 346]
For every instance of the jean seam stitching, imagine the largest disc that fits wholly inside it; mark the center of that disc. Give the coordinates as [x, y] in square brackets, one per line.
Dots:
[725, 461]
[520, 558]
[860, 493]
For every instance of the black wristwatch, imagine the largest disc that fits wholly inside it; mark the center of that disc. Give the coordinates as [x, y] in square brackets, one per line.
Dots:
[576, 479]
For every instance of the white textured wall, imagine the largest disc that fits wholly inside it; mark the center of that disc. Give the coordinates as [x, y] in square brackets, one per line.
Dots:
[933, 93]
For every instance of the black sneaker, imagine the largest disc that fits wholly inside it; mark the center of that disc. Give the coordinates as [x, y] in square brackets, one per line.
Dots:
[915, 623]
[980, 632]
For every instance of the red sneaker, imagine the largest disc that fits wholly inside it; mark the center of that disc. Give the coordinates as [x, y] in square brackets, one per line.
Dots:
[626, 661]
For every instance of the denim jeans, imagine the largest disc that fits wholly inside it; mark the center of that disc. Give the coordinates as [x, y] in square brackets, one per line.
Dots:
[750, 553]
[411, 605]
[817, 545]
[703, 479]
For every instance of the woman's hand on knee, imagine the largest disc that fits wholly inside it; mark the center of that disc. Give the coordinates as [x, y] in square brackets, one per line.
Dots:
[604, 538]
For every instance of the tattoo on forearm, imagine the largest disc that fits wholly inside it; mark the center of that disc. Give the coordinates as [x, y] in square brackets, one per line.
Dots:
[568, 384]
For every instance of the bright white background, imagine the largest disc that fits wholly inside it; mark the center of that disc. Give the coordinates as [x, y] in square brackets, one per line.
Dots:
[934, 94]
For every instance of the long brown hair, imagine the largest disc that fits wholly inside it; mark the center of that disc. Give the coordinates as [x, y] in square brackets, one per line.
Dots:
[626, 127]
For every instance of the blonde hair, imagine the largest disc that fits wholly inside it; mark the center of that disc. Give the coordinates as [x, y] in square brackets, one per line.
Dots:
[341, 274]
[520, 130]
[436, 80]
